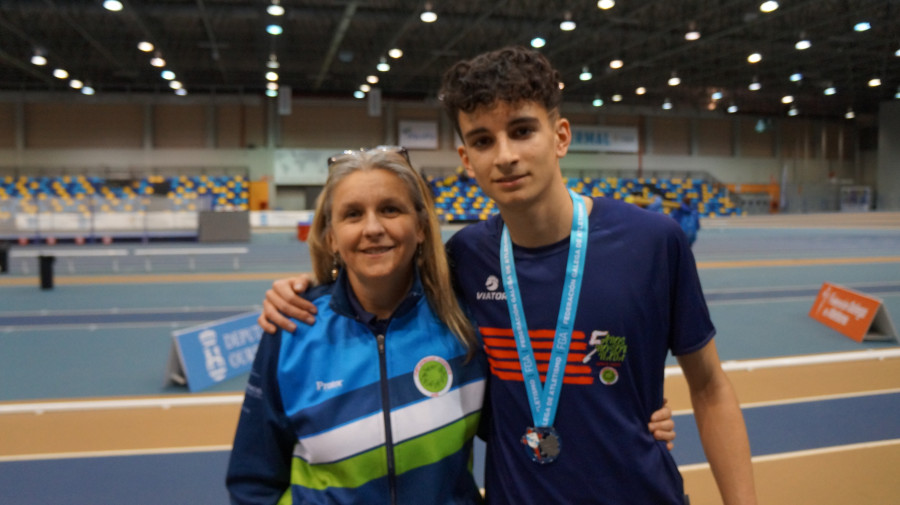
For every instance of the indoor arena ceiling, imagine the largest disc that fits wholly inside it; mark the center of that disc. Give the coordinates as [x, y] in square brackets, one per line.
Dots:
[329, 47]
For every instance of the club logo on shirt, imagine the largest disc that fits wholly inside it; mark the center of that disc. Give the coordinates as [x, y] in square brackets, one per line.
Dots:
[491, 285]
[608, 353]
[433, 376]
[609, 375]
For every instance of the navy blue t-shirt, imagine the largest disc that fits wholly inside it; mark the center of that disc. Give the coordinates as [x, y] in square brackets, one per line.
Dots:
[640, 298]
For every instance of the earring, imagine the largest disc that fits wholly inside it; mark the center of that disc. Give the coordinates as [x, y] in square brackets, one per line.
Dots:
[334, 268]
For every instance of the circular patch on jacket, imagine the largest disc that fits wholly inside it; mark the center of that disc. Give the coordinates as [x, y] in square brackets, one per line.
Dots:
[433, 376]
[609, 375]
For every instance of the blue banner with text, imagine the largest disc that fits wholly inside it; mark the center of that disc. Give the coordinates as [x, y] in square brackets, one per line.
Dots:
[215, 351]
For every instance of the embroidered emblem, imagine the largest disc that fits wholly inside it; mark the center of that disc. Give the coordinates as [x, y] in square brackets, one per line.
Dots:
[609, 375]
[433, 376]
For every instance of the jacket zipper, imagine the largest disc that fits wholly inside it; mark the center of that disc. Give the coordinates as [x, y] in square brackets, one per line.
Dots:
[386, 410]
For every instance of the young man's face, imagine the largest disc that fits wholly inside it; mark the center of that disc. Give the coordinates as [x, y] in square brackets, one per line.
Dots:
[513, 150]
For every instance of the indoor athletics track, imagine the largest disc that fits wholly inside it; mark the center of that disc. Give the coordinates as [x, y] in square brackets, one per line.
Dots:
[85, 417]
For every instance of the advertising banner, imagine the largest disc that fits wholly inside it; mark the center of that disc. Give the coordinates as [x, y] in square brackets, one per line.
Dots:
[855, 315]
[204, 355]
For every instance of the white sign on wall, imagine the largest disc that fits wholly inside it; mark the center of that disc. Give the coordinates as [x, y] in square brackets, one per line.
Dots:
[616, 139]
[302, 166]
[418, 134]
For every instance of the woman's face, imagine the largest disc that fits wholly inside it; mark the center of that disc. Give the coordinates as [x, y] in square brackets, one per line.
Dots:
[374, 228]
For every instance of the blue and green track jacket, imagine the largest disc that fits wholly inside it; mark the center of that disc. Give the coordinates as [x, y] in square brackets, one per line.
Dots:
[334, 413]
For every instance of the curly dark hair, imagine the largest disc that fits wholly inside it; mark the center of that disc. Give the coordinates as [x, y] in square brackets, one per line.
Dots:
[511, 74]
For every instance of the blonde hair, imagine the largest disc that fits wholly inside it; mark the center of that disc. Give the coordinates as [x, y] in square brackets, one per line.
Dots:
[432, 263]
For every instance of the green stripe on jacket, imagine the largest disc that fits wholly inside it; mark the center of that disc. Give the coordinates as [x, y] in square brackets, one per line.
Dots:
[409, 455]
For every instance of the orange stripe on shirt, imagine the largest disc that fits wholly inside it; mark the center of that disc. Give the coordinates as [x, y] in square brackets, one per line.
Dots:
[517, 376]
[542, 367]
[575, 345]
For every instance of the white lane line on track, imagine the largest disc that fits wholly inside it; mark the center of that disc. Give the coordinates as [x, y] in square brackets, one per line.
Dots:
[803, 454]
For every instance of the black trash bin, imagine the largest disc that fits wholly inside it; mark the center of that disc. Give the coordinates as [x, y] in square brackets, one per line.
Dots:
[4, 256]
[46, 271]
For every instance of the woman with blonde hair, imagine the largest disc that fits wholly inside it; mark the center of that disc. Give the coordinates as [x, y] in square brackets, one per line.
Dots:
[380, 400]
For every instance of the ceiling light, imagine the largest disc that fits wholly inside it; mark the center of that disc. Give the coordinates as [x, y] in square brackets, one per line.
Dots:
[754, 58]
[617, 98]
[585, 74]
[39, 59]
[674, 80]
[428, 16]
[562, 85]
[830, 90]
[274, 30]
[271, 85]
[732, 108]
[365, 88]
[793, 111]
[383, 65]
[598, 102]
[175, 85]
[606, 4]
[275, 9]
[396, 53]
[538, 42]
[60, 73]
[787, 99]
[76, 84]
[755, 85]
[862, 26]
[359, 94]
[667, 104]
[567, 25]
[849, 114]
[803, 43]
[271, 93]
[181, 92]
[145, 46]
[640, 90]
[796, 77]
[897, 94]
[158, 61]
[112, 5]
[768, 6]
[87, 90]
[616, 63]
[717, 95]
[692, 33]
[874, 82]
[271, 76]
[168, 75]
[372, 79]
[273, 62]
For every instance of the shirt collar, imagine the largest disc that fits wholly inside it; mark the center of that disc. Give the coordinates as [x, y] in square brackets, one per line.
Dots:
[344, 301]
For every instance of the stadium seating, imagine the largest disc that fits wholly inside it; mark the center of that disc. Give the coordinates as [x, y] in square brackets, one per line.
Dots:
[458, 198]
[91, 194]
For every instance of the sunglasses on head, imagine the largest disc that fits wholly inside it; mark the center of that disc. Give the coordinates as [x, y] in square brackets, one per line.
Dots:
[402, 151]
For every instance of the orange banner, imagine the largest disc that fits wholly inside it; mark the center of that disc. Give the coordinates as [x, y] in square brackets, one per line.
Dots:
[845, 310]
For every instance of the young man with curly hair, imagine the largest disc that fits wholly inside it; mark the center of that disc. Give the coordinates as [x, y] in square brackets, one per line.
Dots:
[582, 379]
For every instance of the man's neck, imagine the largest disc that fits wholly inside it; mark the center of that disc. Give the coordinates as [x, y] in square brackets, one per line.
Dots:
[542, 222]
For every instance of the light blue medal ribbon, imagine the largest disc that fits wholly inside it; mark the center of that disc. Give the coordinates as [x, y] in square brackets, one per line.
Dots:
[545, 399]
